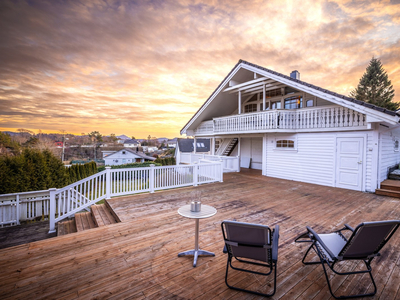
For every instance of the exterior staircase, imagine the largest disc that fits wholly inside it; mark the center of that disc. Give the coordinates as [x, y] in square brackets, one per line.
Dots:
[389, 188]
[100, 215]
[232, 144]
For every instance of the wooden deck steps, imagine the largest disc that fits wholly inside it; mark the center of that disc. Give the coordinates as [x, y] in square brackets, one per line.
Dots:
[389, 188]
[66, 227]
[100, 215]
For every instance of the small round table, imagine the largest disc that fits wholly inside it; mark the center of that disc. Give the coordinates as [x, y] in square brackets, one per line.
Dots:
[206, 212]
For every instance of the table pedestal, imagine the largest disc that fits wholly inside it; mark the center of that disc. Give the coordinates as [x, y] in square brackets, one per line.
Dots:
[196, 251]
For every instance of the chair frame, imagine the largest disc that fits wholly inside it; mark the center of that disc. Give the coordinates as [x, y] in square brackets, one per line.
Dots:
[316, 243]
[272, 249]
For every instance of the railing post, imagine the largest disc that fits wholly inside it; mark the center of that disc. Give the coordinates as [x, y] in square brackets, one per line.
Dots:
[222, 171]
[195, 174]
[17, 209]
[52, 213]
[151, 179]
[237, 164]
[108, 182]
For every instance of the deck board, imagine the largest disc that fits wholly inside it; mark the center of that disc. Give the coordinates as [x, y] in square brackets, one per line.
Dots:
[137, 258]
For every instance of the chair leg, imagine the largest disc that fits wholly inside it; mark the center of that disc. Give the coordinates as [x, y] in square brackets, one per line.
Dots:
[350, 296]
[249, 291]
[311, 262]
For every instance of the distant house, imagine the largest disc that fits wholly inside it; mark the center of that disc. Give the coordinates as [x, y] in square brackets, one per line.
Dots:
[122, 138]
[131, 143]
[202, 146]
[149, 149]
[58, 144]
[124, 156]
[172, 143]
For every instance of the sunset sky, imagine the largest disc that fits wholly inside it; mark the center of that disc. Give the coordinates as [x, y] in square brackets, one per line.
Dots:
[145, 67]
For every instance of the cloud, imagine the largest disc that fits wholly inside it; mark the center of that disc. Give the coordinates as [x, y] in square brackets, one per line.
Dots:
[144, 67]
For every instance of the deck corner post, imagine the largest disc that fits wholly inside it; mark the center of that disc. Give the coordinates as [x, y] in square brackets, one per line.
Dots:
[151, 179]
[108, 183]
[52, 214]
[17, 210]
[195, 174]
[238, 164]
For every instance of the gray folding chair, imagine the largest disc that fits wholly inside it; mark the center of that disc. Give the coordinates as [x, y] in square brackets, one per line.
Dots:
[365, 242]
[251, 244]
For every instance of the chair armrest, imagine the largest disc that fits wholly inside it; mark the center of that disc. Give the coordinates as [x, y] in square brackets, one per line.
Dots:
[275, 241]
[303, 238]
[348, 227]
[314, 236]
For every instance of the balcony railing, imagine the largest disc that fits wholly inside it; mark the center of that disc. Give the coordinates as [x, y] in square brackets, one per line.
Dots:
[311, 118]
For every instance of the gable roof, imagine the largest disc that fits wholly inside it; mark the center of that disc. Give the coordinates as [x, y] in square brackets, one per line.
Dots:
[187, 145]
[130, 141]
[140, 154]
[284, 79]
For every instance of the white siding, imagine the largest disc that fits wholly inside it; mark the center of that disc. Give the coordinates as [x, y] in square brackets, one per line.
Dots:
[314, 158]
[388, 157]
[313, 161]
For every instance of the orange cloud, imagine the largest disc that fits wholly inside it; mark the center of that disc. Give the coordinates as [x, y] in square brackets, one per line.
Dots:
[145, 67]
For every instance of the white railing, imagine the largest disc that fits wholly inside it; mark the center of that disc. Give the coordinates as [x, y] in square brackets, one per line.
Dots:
[58, 204]
[25, 206]
[205, 127]
[229, 163]
[303, 119]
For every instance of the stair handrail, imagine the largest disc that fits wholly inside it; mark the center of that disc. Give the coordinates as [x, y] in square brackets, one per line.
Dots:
[62, 204]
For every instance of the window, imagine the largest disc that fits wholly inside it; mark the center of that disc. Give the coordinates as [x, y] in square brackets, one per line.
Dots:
[310, 103]
[396, 145]
[250, 108]
[293, 102]
[123, 152]
[272, 93]
[276, 105]
[285, 144]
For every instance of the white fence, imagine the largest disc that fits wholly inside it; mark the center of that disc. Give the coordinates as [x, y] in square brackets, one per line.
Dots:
[229, 163]
[26, 206]
[58, 204]
[306, 118]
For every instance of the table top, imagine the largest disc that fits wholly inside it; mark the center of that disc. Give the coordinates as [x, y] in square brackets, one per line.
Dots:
[206, 212]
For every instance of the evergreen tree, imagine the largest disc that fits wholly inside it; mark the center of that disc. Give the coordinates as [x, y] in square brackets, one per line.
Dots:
[375, 87]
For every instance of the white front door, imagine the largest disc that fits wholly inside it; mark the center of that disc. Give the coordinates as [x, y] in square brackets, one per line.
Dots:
[349, 163]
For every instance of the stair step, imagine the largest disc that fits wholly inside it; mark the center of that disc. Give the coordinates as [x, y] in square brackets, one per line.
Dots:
[66, 227]
[390, 193]
[102, 215]
[389, 184]
[84, 221]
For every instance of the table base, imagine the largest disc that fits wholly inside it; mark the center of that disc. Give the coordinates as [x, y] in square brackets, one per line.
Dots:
[195, 253]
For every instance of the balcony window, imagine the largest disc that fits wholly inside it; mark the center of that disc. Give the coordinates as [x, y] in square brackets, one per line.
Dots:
[276, 105]
[250, 108]
[310, 103]
[272, 93]
[294, 102]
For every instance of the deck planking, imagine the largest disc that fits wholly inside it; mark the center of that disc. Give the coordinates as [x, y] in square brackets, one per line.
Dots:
[137, 259]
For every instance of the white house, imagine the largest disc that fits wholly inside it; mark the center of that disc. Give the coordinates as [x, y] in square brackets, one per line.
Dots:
[294, 130]
[124, 156]
[131, 143]
[172, 143]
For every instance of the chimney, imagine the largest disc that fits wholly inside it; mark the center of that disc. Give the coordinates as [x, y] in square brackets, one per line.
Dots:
[295, 74]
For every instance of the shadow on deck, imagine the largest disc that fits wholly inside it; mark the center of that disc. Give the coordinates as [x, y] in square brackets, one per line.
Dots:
[137, 258]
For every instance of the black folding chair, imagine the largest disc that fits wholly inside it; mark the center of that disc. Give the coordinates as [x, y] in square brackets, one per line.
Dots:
[251, 244]
[364, 244]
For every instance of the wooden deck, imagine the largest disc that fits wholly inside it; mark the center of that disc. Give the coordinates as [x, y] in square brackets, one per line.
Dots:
[137, 258]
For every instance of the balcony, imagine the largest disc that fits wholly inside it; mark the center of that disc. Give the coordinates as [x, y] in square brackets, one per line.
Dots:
[315, 119]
